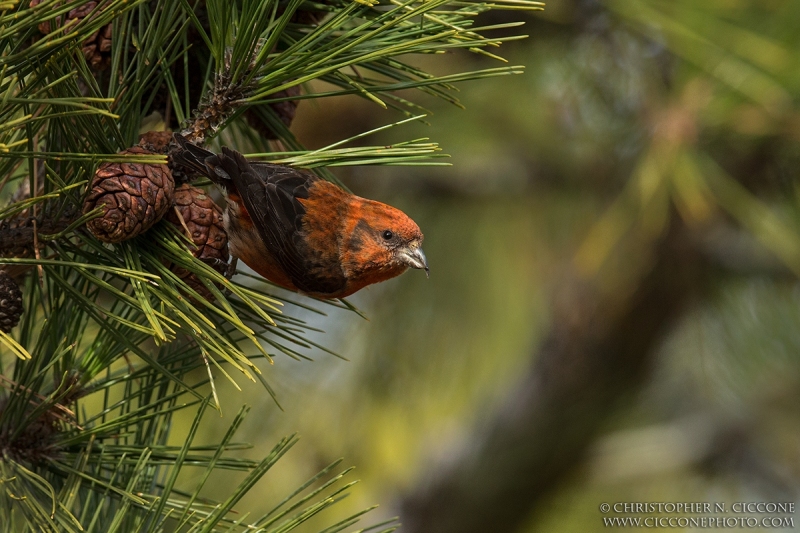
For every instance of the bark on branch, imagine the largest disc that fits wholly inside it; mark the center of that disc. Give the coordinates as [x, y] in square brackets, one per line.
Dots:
[22, 236]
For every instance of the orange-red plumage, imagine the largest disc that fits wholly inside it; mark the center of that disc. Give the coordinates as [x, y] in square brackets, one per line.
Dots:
[304, 233]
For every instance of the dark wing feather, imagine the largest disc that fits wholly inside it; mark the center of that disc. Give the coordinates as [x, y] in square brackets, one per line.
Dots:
[271, 195]
[191, 157]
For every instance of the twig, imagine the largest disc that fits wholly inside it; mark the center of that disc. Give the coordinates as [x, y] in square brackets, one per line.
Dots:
[34, 193]
[26, 236]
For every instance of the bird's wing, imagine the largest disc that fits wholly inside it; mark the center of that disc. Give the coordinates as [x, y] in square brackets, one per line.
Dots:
[271, 195]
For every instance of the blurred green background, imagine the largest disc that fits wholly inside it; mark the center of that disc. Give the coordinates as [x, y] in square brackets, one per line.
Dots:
[629, 112]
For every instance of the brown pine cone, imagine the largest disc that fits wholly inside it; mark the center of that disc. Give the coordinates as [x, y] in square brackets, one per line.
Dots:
[135, 195]
[11, 242]
[157, 142]
[35, 441]
[285, 111]
[97, 48]
[203, 220]
[18, 233]
[10, 302]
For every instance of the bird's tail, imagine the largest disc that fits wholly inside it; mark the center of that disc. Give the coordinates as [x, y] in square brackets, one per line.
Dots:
[193, 159]
[190, 157]
[226, 169]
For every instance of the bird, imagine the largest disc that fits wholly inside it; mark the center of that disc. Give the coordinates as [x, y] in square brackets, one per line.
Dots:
[301, 232]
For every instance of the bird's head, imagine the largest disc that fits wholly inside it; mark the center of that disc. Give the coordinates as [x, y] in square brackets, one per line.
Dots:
[383, 242]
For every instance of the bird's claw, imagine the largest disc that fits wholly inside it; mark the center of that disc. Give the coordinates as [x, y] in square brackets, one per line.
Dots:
[231, 270]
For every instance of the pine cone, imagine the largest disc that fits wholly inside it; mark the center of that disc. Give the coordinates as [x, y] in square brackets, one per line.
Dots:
[35, 440]
[10, 302]
[157, 142]
[18, 233]
[203, 218]
[97, 48]
[11, 243]
[285, 111]
[136, 196]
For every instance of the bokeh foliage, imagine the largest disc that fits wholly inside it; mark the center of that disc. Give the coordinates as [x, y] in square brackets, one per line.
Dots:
[630, 115]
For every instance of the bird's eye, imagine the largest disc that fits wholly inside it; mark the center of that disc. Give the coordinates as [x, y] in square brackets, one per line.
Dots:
[387, 235]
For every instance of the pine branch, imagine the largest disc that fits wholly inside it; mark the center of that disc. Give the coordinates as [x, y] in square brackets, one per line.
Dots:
[118, 339]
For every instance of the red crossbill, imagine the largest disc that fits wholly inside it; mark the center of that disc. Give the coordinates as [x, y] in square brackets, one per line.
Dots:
[302, 232]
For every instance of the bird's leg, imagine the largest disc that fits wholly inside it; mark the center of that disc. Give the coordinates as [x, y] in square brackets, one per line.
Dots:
[232, 267]
[214, 263]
